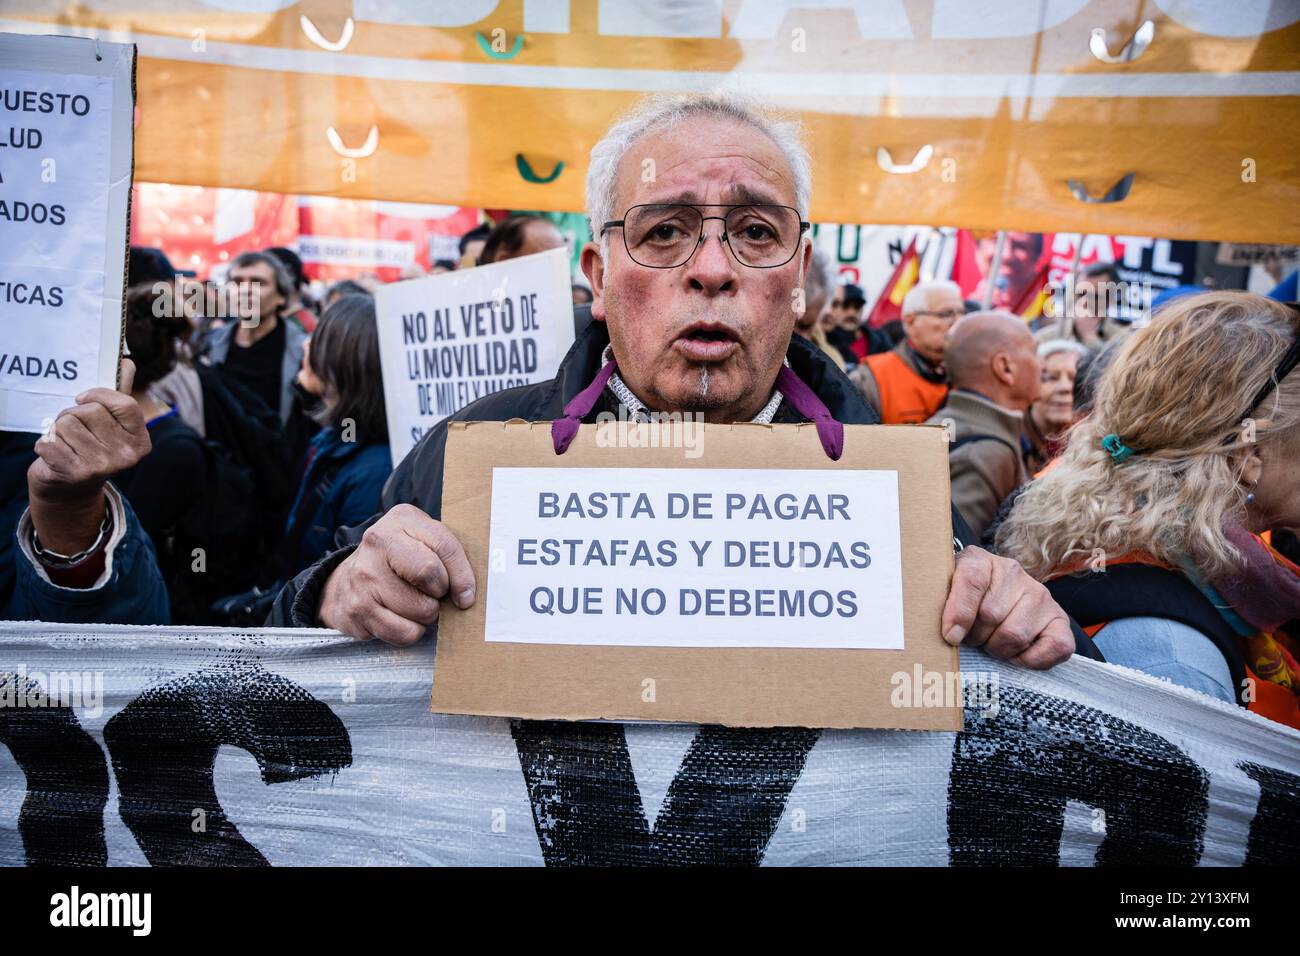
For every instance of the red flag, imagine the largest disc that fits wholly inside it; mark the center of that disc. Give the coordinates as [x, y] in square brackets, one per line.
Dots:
[1032, 300]
[889, 307]
[965, 266]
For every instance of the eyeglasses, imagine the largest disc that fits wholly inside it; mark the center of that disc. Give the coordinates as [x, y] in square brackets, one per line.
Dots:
[666, 235]
[953, 314]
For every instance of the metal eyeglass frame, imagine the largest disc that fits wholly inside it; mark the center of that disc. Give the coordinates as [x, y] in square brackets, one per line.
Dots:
[730, 207]
[942, 315]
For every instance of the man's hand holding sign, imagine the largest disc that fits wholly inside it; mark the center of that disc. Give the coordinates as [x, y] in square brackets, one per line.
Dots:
[77, 552]
[103, 434]
[993, 603]
[392, 587]
[697, 286]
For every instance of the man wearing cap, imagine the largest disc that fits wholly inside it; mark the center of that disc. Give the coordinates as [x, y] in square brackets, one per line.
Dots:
[846, 322]
[847, 333]
[694, 278]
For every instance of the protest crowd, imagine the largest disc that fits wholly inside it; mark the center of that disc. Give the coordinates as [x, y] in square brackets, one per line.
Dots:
[241, 474]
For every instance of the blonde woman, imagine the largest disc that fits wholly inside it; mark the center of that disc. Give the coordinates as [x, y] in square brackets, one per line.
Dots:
[1151, 532]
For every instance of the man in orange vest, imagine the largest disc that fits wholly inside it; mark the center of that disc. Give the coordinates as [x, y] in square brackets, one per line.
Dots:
[907, 384]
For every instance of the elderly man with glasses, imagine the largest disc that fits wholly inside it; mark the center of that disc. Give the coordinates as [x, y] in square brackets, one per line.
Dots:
[699, 207]
[907, 384]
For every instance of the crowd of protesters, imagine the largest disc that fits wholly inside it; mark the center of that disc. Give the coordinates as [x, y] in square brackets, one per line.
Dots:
[263, 408]
[1142, 450]
[217, 486]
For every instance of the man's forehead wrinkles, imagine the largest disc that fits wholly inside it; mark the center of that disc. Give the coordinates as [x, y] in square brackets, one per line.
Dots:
[747, 158]
[732, 193]
[663, 190]
[742, 192]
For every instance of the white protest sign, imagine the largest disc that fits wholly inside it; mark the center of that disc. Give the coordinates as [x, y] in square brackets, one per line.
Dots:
[66, 109]
[657, 557]
[449, 339]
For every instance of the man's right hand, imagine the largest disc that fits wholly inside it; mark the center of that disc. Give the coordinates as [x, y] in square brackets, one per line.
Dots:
[103, 434]
[392, 586]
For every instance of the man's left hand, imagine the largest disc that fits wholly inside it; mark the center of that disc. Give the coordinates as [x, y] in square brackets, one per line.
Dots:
[994, 603]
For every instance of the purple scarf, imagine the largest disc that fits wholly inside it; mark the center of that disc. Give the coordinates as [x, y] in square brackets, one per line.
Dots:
[802, 398]
[1266, 593]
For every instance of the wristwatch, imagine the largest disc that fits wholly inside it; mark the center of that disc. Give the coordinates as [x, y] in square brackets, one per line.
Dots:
[52, 559]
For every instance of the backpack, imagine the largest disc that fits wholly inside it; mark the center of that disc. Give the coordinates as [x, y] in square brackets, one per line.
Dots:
[250, 608]
[1143, 590]
[248, 490]
[240, 423]
[227, 531]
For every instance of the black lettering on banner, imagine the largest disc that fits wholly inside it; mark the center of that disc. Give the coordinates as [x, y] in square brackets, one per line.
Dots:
[721, 809]
[164, 745]
[1012, 775]
[62, 817]
[1274, 838]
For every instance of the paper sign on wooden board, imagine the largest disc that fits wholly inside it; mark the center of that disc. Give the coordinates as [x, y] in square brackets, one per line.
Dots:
[745, 580]
[66, 142]
[447, 340]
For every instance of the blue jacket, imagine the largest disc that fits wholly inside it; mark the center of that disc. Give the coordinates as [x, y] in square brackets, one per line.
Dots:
[351, 496]
[134, 592]
[1287, 290]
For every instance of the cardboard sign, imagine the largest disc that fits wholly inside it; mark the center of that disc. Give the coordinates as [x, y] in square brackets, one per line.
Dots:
[447, 340]
[750, 581]
[66, 109]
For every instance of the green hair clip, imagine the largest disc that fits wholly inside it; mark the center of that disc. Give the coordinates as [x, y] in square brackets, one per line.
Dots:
[1118, 450]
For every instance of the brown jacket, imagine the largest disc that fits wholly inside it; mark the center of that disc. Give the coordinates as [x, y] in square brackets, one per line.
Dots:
[984, 457]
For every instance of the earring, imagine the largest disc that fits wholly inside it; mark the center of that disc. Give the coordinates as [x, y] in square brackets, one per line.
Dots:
[1250, 496]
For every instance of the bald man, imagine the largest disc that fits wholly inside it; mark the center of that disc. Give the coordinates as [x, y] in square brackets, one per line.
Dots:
[992, 362]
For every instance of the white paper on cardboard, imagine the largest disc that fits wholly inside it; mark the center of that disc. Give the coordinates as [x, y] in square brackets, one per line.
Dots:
[658, 557]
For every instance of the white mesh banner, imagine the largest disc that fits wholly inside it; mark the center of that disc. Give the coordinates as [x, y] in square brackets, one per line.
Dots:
[153, 745]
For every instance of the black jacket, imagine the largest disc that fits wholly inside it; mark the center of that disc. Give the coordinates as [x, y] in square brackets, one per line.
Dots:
[418, 479]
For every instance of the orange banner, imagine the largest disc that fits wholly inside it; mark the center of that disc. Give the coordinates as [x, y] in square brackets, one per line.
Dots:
[1007, 113]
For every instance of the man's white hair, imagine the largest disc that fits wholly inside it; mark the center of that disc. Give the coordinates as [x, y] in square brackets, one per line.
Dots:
[1052, 346]
[663, 111]
[918, 298]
